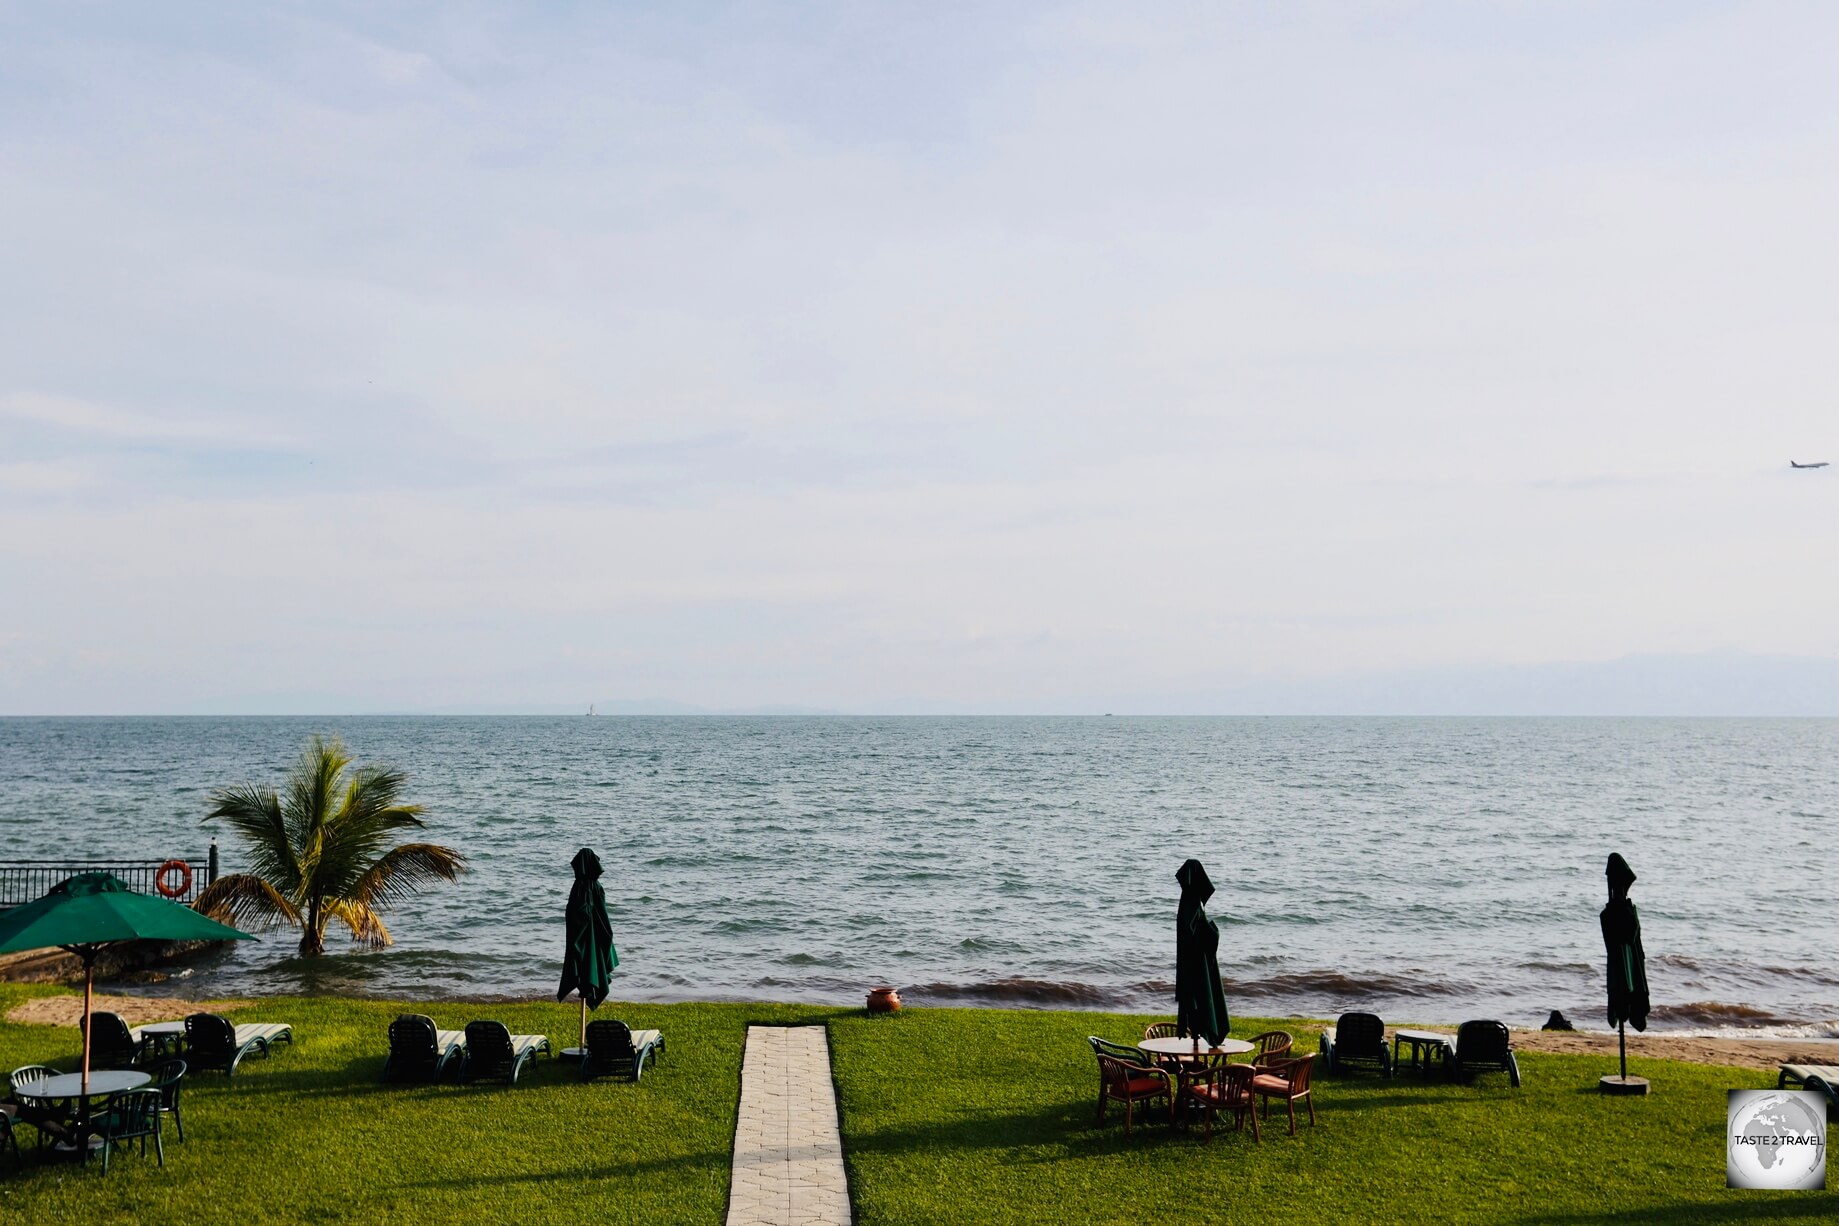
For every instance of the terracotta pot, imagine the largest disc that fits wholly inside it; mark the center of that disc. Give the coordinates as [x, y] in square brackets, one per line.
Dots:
[884, 1000]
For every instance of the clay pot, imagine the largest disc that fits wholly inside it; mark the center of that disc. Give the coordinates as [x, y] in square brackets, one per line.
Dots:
[884, 1000]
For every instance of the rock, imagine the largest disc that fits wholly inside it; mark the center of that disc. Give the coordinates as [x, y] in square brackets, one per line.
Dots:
[1557, 1021]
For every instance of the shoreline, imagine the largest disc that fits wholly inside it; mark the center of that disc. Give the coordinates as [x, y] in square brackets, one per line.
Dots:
[1765, 1052]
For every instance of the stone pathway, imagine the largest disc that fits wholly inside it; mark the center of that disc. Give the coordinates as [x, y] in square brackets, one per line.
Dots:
[788, 1155]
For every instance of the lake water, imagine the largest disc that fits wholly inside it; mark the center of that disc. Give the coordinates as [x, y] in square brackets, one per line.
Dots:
[1426, 869]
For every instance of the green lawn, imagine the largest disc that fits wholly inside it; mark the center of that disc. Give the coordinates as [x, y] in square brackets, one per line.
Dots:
[948, 1116]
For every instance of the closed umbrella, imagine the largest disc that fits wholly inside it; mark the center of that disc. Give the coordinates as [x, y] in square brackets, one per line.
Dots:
[87, 913]
[1200, 1001]
[1627, 965]
[589, 957]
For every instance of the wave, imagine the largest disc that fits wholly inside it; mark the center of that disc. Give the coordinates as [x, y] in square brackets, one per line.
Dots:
[1029, 993]
[1342, 986]
[1720, 1014]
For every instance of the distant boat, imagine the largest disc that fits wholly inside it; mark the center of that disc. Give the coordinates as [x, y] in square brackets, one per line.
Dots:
[1815, 464]
[590, 709]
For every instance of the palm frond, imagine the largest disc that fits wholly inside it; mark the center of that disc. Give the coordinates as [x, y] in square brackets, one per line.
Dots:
[311, 786]
[255, 814]
[245, 900]
[402, 871]
[365, 924]
[360, 830]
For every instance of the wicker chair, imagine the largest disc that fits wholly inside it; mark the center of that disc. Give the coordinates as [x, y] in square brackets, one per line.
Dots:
[1222, 1087]
[1126, 1076]
[1162, 1030]
[1357, 1038]
[1269, 1047]
[1482, 1046]
[1288, 1080]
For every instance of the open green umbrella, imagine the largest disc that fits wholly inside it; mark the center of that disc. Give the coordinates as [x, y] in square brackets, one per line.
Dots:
[91, 911]
[589, 957]
[1200, 1001]
[1627, 963]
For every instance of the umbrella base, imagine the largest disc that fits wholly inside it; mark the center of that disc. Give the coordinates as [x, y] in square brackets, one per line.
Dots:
[1623, 1086]
[573, 1053]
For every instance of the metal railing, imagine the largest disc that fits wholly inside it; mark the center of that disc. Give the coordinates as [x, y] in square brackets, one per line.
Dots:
[22, 881]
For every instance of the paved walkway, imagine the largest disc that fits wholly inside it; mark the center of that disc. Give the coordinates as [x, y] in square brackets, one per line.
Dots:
[788, 1156]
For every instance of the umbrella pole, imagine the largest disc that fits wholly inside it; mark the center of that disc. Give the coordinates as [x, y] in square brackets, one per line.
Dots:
[89, 981]
[1622, 1044]
[583, 1021]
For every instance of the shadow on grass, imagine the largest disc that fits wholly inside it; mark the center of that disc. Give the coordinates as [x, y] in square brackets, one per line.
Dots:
[1774, 1208]
[711, 1160]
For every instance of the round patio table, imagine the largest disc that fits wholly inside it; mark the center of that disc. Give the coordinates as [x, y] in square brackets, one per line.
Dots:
[1175, 1045]
[102, 1082]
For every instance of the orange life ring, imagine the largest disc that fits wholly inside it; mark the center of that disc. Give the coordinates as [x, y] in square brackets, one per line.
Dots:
[185, 879]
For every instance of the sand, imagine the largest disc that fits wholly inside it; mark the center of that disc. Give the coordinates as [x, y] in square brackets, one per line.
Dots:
[135, 1010]
[1739, 1052]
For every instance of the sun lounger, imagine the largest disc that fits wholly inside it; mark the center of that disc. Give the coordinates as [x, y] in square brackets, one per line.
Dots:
[419, 1052]
[111, 1043]
[212, 1044]
[1482, 1046]
[493, 1053]
[613, 1048]
[1824, 1077]
[1356, 1038]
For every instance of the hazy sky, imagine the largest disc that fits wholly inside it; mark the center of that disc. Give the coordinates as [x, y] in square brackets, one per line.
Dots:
[359, 356]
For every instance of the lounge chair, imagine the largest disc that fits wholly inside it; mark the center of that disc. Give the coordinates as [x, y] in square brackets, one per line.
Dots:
[7, 1111]
[613, 1048]
[1823, 1077]
[1355, 1039]
[1484, 1046]
[213, 1045]
[419, 1052]
[493, 1053]
[111, 1043]
[1126, 1075]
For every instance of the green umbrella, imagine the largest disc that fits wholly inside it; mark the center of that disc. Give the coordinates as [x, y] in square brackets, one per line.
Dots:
[1200, 1001]
[589, 957]
[86, 913]
[1627, 963]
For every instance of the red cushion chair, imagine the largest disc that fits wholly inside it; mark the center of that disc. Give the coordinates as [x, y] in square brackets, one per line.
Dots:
[1288, 1080]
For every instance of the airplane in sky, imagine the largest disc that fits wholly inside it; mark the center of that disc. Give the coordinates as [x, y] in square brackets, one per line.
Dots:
[1815, 464]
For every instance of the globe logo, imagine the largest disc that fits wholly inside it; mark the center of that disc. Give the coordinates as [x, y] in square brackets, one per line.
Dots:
[1777, 1139]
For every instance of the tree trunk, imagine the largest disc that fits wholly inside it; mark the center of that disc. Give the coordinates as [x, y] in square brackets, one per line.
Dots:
[313, 939]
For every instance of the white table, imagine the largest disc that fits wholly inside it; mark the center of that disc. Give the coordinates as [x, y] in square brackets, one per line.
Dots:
[1191, 1046]
[102, 1082]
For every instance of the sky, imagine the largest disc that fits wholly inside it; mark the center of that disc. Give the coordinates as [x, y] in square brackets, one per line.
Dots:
[844, 356]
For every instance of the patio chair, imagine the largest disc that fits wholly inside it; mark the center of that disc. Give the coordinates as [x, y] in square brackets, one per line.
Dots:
[1356, 1039]
[613, 1048]
[133, 1116]
[1271, 1046]
[213, 1045]
[1483, 1046]
[168, 1080]
[1823, 1077]
[49, 1120]
[7, 1111]
[1126, 1075]
[419, 1052]
[111, 1043]
[493, 1053]
[1288, 1080]
[1162, 1030]
[1222, 1087]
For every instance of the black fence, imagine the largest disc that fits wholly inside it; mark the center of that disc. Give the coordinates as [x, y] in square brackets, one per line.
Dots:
[22, 881]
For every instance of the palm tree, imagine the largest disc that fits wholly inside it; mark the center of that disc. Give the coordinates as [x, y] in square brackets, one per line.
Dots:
[321, 851]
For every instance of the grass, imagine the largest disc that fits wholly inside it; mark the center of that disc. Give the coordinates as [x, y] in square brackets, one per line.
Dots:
[960, 1115]
[949, 1115]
